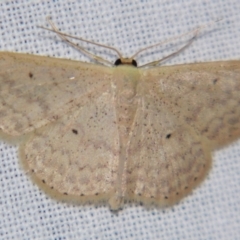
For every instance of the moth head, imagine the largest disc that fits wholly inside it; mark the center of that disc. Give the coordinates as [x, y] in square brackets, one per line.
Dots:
[125, 61]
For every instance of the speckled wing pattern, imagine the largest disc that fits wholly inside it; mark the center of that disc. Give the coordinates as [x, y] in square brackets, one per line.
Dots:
[96, 133]
[38, 90]
[186, 112]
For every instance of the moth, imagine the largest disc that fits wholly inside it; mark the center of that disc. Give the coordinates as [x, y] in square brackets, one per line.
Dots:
[95, 133]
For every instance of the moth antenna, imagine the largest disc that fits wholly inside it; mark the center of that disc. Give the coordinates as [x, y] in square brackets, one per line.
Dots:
[195, 31]
[64, 36]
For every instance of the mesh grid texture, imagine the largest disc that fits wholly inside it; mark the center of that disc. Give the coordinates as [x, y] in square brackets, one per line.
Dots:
[212, 211]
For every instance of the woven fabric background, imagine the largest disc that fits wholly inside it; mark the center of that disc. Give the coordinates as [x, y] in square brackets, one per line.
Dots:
[212, 211]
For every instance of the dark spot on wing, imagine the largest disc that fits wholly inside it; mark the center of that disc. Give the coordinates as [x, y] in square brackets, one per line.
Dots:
[30, 74]
[74, 131]
[215, 81]
[168, 135]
